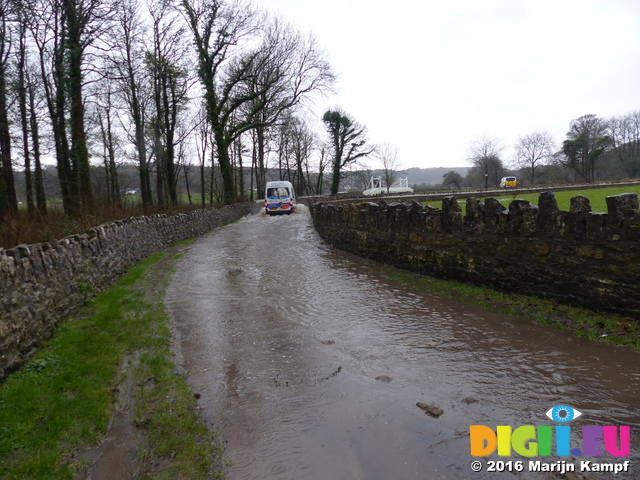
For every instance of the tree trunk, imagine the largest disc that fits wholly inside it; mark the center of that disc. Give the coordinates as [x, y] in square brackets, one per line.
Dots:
[24, 120]
[116, 199]
[229, 194]
[186, 180]
[203, 186]
[169, 111]
[262, 171]
[79, 153]
[335, 181]
[8, 200]
[240, 170]
[41, 200]
[56, 103]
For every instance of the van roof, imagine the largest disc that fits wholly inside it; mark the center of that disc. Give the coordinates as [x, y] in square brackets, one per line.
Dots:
[281, 183]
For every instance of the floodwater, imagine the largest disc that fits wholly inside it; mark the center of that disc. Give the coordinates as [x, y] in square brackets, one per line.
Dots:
[310, 361]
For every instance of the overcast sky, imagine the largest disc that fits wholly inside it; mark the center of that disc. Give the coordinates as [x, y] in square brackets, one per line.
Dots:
[430, 76]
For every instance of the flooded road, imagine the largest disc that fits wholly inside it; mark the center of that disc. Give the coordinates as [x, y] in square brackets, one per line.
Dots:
[310, 362]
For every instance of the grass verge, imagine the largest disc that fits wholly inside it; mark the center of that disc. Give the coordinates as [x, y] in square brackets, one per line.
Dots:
[61, 401]
[596, 196]
[599, 327]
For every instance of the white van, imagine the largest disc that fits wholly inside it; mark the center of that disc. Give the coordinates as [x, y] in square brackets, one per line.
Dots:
[279, 197]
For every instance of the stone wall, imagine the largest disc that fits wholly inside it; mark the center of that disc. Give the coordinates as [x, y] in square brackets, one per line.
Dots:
[41, 284]
[580, 257]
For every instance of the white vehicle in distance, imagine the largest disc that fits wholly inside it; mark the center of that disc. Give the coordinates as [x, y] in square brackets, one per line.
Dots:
[279, 198]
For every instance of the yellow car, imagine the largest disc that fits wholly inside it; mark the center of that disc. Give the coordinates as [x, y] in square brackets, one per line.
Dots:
[508, 182]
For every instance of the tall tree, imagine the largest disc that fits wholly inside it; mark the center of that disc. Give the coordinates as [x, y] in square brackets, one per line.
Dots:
[64, 31]
[128, 59]
[166, 64]
[86, 20]
[24, 86]
[106, 112]
[484, 153]
[348, 142]
[533, 150]
[306, 71]
[21, 89]
[48, 30]
[587, 139]
[220, 30]
[41, 200]
[8, 199]
[302, 142]
[251, 70]
[625, 138]
[202, 145]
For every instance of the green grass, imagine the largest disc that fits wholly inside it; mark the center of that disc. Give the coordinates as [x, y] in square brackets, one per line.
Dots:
[60, 401]
[596, 196]
[600, 327]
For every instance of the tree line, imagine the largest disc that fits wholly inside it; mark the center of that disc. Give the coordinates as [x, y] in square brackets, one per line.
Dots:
[162, 85]
[594, 148]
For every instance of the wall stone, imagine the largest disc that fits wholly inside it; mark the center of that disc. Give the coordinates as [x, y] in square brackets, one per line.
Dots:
[41, 284]
[576, 256]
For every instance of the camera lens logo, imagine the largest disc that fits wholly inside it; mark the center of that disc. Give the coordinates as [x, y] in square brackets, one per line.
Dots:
[563, 413]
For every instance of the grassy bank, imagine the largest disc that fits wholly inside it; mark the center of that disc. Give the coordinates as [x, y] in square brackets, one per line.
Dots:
[596, 196]
[60, 403]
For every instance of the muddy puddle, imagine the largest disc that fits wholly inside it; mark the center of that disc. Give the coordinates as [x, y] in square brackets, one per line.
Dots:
[310, 363]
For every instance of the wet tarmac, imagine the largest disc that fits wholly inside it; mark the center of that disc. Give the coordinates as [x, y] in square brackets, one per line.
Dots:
[310, 363]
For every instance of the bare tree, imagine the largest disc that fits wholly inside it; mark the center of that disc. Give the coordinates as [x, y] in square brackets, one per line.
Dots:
[306, 71]
[105, 115]
[625, 137]
[128, 59]
[220, 32]
[484, 154]
[86, 20]
[324, 162]
[8, 200]
[166, 63]
[533, 150]
[41, 200]
[303, 142]
[250, 70]
[21, 89]
[388, 156]
[64, 32]
[47, 28]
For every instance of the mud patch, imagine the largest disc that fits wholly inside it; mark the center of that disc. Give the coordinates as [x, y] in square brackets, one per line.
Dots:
[118, 455]
[122, 454]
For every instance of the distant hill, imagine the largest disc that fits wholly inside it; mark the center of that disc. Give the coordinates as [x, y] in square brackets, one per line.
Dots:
[430, 176]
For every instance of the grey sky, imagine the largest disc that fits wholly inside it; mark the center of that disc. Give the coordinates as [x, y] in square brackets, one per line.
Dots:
[430, 76]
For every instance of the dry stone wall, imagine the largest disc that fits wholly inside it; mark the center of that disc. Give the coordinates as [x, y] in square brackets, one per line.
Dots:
[40, 284]
[576, 256]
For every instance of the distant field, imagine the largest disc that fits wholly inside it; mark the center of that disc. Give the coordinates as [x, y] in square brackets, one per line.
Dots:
[595, 195]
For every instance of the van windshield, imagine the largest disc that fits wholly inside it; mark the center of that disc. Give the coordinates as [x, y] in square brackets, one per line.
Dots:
[277, 192]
